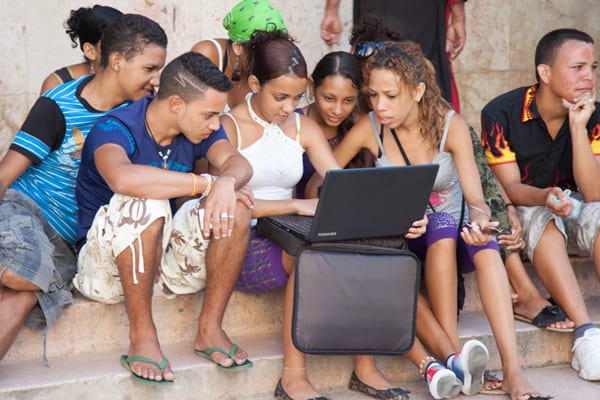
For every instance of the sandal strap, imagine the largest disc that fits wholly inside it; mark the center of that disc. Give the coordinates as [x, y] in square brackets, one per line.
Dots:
[160, 365]
[219, 349]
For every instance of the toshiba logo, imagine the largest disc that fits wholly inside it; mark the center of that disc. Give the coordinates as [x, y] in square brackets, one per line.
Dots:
[327, 234]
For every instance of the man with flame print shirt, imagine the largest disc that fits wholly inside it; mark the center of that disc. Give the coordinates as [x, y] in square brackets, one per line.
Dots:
[543, 144]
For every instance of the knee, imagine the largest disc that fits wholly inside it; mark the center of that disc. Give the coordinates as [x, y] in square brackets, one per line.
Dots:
[21, 302]
[10, 280]
[243, 215]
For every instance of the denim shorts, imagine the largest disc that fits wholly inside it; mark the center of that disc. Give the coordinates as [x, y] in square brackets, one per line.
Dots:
[31, 248]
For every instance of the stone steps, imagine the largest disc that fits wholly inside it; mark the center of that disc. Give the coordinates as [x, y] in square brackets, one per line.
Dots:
[560, 381]
[85, 344]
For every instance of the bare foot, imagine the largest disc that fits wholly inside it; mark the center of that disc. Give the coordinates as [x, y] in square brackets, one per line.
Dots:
[296, 384]
[218, 338]
[149, 349]
[519, 388]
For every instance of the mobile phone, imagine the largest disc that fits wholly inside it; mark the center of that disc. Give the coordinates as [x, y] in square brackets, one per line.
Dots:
[490, 230]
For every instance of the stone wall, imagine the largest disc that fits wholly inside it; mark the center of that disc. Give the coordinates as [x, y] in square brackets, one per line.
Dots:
[498, 56]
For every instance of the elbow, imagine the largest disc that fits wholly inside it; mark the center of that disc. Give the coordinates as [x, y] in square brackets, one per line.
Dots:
[119, 184]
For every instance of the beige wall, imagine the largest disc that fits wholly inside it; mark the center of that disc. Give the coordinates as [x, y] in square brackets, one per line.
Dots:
[498, 56]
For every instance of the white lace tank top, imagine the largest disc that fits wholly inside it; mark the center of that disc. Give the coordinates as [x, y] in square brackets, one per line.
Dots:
[275, 158]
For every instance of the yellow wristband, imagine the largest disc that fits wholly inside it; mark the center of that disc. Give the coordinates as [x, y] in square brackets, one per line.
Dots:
[195, 189]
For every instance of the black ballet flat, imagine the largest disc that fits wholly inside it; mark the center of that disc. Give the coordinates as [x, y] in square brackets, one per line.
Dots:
[397, 393]
[281, 394]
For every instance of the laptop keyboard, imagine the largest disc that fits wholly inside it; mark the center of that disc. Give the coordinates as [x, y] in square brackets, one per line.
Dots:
[295, 222]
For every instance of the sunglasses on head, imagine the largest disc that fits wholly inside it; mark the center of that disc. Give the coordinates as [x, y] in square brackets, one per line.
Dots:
[366, 49]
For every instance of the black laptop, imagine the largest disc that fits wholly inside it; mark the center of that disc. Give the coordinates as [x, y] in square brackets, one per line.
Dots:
[355, 204]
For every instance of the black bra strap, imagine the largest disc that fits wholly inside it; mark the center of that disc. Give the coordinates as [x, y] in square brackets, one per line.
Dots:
[406, 160]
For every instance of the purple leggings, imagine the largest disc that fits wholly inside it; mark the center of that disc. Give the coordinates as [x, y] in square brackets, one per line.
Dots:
[442, 226]
[262, 270]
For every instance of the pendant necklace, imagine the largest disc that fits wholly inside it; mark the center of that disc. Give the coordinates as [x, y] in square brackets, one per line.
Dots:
[164, 156]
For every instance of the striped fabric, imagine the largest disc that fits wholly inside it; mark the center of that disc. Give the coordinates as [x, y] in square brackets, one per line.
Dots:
[51, 183]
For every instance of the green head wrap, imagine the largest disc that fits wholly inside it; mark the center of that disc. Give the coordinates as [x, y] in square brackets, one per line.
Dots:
[250, 15]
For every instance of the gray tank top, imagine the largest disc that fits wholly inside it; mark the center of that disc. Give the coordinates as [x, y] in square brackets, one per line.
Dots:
[446, 195]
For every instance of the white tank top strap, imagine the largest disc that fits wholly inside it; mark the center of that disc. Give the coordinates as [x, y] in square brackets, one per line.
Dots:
[297, 127]
[375, 132]
[219, 52]
[237, 130]
[446, 128]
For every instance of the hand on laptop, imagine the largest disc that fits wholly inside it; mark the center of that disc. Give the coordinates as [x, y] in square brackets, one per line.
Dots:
[306, 207]
[417, 229]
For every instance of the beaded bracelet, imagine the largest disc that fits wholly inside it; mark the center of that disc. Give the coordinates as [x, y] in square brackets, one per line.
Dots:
[209, 181]
[195, 189]
[424, 363]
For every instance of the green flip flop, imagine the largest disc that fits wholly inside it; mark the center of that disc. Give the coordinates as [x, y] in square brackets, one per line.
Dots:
[233, 367]
[125, 360]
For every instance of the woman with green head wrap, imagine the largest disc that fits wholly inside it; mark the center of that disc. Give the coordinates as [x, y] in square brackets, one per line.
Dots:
[241, 22]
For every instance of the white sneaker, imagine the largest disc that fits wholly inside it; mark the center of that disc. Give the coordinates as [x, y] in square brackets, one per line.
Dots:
[442, 382]
[586, 355]
[469, 366]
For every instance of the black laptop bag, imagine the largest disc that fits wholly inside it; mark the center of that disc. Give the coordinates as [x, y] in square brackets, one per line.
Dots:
[355, 299]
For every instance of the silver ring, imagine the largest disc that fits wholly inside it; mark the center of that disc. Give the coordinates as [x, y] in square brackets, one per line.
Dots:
[230, 216]
[520, 240]
[591, 100]
[224, 215]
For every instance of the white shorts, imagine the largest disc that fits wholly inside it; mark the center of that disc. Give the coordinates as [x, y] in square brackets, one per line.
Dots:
[119, 224]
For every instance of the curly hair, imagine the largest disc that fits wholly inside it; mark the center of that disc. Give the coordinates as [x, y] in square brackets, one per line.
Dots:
[88, 23]
[407, 61]
[372, 28]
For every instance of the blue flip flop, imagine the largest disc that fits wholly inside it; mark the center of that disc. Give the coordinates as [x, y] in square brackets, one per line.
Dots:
[125, 360]
[233, 367]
